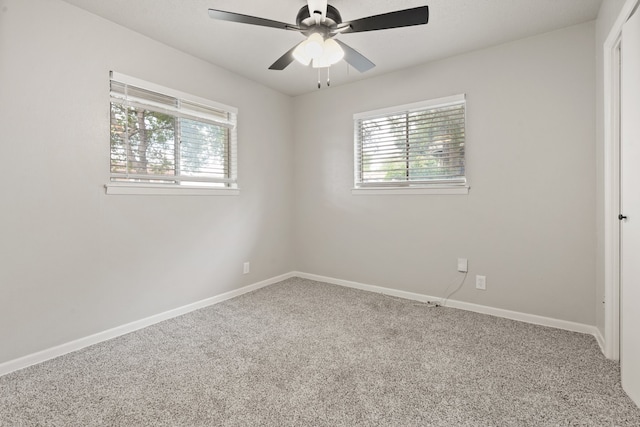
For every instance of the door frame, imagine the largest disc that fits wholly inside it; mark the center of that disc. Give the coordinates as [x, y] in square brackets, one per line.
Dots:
[611, 345]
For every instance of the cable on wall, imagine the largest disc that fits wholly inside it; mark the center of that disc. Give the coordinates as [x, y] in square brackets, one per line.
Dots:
[443, 302]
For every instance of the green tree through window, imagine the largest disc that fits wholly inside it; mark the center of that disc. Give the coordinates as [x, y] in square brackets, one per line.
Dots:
[156, 138]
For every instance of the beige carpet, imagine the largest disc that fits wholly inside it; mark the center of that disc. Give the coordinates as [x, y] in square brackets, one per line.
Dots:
[306, 353]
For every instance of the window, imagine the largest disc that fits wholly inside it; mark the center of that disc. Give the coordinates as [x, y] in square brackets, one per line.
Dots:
[161, 138]
[416, 146]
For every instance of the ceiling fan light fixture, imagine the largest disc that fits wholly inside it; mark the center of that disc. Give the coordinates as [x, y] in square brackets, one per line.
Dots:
[300, 54]
[314, 46]
[332, 51]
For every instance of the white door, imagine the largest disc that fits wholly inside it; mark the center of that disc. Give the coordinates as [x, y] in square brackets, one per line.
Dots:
[630, 207]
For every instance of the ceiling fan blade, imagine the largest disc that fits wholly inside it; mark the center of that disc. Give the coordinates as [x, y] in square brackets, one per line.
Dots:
[355, 58]
[317, 6]
[253, 20]
[284, 61]
[400, 18]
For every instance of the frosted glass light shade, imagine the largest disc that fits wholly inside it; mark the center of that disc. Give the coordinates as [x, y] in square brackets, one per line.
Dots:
[300, 54]
[323, 53]
[314, 46]
[332, 51]
[331, 54]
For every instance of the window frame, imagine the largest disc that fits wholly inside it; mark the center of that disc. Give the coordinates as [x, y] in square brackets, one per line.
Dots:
[406, 187]
[178, 188]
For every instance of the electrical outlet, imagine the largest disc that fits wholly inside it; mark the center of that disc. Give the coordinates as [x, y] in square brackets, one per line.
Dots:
[462, 265]
[246, 268]
[481, 283]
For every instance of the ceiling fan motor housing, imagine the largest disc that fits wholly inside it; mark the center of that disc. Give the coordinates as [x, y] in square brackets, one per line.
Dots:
[308, 24]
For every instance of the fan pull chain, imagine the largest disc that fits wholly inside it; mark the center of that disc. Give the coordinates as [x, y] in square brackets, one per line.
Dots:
[328, 77]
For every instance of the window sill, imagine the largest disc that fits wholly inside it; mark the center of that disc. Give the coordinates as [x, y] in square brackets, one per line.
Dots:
[443, 190]
[171, 190]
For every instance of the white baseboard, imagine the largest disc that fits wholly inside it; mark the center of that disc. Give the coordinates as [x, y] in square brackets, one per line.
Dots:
[50, 353]
[498, 312]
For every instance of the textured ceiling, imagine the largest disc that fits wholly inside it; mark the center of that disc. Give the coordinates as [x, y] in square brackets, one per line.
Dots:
[455, 26]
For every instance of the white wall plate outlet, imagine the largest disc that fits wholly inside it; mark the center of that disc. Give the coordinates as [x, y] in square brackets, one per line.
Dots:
[246, 268]
[481, 282]
[462, 265]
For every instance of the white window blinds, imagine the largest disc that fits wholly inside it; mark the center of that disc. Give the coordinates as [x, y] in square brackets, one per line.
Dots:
[162, 136]
[413, 145]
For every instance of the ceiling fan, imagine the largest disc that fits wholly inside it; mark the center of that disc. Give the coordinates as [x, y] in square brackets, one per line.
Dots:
[320, 23]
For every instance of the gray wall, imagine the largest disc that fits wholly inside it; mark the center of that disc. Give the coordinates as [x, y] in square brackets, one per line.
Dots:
[74, 261]
[528, 221]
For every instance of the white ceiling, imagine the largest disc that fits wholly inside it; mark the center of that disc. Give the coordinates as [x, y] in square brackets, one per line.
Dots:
[455, 26]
